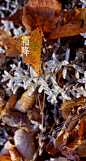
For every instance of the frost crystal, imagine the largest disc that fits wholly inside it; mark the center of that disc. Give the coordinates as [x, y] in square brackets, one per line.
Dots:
[83, 80]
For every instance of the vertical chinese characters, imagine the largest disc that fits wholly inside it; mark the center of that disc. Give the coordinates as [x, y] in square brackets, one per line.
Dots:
[25, 45]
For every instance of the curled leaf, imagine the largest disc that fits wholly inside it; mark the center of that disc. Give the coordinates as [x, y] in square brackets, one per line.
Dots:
[26, 101]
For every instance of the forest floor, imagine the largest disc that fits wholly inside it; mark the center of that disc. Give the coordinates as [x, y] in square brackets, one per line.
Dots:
[42, 80]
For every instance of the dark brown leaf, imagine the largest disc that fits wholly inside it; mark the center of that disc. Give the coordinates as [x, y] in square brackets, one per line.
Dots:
[41, 13]
[17, 17]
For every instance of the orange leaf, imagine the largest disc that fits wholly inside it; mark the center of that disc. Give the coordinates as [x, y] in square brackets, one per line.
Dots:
[7, 39]
[14, 155]
[66, 30]
[76, 17]
[5, 157]
[41, 13]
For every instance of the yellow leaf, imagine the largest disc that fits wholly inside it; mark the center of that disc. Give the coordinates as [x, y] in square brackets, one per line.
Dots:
[33, 47]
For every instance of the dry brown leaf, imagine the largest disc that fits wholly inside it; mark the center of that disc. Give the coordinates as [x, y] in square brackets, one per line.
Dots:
[69, 154]
[26, 101]
[81, 150]
[81, 129]
[41, 13]
[76, 17]
[2, 106]
[17, 17]
[34, 114]
[10, 104]
[2, 59]
[2, 103]
[66, 30]
[73, 140]
[7, 39]
[25, 144]
[61, 139]
[50, 148]
[66, 108]
[19, 120]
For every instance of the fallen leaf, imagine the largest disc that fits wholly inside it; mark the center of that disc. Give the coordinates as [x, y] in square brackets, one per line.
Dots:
[6, 39]
[25, 144]
[61, 139]
[69, 154]
[34, 49]
[81, 150]
[81, 129]
[2, 106]
[10, 105]
[19, 120]
[43, 13]
[16, 17]
[66, 30]
[34, 114]
[50, 148]
[26, 101]
[2, 59]
[73, 140]
[2, 103]
[66, 108]
[76, 17]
